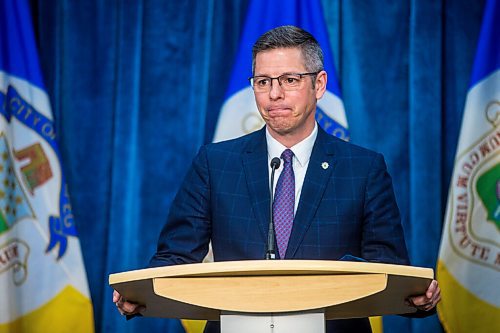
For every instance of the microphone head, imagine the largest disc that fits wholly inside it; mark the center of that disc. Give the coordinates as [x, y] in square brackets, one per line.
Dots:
[275, 163]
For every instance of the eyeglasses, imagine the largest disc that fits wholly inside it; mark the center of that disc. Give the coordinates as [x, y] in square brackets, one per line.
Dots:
[287, 81]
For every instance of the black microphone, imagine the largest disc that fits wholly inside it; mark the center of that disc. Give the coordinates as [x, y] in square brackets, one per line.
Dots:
[271, 250]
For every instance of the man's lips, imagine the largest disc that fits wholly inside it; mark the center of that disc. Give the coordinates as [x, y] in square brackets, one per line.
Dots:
[278, 110]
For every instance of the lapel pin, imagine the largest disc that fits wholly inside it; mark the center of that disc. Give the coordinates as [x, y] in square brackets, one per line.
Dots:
[325, 165]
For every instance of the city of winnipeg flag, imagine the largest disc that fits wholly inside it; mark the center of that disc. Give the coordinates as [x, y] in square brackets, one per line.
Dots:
[43, 283]
[239, 114]
[469, 259]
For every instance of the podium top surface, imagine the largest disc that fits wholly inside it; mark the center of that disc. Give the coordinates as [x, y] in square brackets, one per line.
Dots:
[270, 268]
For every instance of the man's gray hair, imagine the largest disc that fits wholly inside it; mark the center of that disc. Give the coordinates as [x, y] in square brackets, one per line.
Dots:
[289, 36]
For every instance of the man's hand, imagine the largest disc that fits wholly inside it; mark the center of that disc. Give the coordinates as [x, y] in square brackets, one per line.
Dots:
[125, 307]
[429, 300]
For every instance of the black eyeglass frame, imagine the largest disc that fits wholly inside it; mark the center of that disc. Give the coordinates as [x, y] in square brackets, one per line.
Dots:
[252, 78]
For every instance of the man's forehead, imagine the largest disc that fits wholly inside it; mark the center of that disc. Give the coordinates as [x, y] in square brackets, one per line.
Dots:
[287, 51]
[280, 59]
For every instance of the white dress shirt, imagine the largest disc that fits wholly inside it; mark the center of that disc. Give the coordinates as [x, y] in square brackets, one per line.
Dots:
[301, 156]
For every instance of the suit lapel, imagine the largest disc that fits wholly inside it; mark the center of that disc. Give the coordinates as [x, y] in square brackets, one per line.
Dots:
[257, 177]
[318, 173]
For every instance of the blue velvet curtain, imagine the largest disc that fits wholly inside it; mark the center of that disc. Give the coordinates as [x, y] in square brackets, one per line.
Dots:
[136, 88]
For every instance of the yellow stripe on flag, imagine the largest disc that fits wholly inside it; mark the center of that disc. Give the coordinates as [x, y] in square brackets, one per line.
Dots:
[461, 311]
[194, 326]
[69, 311]
[376, 324]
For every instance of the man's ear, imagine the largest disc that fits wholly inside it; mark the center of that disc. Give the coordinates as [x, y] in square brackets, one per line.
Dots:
[320, 87]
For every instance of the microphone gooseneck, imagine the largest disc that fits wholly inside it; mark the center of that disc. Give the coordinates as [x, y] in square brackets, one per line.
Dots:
[271, 249]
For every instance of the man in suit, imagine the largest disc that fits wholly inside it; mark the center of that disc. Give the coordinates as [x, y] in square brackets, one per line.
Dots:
[332, 198]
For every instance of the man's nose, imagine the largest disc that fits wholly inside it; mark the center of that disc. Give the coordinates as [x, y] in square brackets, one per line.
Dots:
[276, 90]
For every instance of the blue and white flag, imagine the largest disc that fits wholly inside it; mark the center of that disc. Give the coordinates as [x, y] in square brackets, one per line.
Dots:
[42, 278]
[239, 114]
[468, 269]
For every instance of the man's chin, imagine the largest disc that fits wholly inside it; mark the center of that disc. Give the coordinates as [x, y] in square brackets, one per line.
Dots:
[280, 129]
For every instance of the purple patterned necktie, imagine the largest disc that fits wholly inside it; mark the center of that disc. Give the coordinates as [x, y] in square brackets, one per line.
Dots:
[284, 203]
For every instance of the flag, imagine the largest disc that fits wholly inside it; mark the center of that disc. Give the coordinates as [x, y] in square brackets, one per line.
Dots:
[42, 278]
[468, 268]
[239, 114]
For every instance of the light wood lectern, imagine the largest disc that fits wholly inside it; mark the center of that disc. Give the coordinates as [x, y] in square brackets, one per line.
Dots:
[276, 295]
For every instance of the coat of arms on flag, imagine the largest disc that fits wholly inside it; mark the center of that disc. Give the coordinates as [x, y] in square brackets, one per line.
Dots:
[475, 194]
[14, 206]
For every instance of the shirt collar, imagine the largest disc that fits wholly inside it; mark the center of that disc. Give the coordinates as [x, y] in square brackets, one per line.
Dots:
[302, 150]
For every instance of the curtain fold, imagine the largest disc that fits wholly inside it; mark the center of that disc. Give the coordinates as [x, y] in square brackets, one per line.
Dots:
[136, 88]
[424, 127]
[124, 207]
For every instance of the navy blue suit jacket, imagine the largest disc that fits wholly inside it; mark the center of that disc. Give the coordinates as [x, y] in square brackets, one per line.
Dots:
[348, 208]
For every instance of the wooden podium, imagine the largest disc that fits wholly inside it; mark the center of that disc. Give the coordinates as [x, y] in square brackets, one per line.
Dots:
[337, 289]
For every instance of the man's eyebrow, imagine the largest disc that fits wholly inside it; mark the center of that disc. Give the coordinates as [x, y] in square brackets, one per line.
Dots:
[285, 73]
